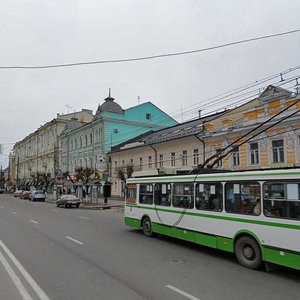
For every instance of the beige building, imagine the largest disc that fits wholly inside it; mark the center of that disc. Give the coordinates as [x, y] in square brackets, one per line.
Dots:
[39, 152]
[263, 133]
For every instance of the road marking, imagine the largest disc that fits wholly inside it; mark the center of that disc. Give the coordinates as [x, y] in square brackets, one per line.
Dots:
[84, 218]
[15, 279]
[42, 295]
[76, 241]
[181, 292]
[53, 210]
[13, 212]
[35, 222]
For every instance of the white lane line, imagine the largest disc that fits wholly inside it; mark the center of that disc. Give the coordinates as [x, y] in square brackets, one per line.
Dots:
[181, 292]
[42, 295]
[84, 218]
[35, 222]
[76, 241]
[13, 212]
[53, 210]
[15, 279]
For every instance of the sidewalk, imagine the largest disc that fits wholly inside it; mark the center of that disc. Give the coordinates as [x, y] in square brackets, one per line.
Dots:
[94, 204]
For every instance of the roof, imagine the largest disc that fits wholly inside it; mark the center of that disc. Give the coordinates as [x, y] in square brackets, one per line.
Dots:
[189, 128]
[274, 92]
[110, 106]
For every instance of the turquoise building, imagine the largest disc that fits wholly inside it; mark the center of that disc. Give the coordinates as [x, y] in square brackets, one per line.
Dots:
[86, 144]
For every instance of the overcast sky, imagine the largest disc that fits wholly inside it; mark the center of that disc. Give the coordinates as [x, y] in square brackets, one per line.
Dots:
[35, 33]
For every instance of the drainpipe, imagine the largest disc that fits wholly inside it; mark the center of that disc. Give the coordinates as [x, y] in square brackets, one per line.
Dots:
[155, 156]
[203, 146]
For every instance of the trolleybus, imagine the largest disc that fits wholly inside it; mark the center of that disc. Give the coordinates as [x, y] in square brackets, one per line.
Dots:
[253, 214]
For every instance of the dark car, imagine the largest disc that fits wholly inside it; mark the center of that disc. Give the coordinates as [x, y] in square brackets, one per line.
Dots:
[37, 196]
[68, 201]
[25, 195]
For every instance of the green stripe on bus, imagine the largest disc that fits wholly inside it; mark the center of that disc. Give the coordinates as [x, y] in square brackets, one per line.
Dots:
[281, 257]
[233, 219]
[208, 240]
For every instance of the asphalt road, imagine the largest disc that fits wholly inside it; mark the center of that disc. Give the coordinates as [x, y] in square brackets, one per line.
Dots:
[59, 253]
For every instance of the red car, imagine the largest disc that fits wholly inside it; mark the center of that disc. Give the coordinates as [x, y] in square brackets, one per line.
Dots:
[25, 195]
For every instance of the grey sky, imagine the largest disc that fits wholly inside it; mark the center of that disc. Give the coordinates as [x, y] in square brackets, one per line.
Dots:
[52, 32]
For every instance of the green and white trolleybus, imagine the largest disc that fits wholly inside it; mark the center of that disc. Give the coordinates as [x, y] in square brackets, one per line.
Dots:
[254, 214]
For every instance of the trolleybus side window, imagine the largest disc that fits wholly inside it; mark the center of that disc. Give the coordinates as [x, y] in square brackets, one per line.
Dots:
[162, 194]
[243, 198]
[131, 193]
[209, 196]
[146, 194]
[282, 200]
[183, 195]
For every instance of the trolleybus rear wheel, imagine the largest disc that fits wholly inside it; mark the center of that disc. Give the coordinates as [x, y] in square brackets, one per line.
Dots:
[248, 253]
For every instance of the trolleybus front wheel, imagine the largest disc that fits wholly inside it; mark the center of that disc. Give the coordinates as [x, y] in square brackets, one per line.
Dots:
[248, 252]
[147, 227]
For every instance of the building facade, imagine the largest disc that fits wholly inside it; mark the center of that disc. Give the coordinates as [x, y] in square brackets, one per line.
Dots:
[262, 133]
[39, 152]
[86, 146]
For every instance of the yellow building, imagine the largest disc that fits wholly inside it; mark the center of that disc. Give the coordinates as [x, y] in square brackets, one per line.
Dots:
[262, 133]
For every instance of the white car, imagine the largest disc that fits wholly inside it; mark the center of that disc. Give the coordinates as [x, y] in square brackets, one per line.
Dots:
[37, 196]
[68, 201]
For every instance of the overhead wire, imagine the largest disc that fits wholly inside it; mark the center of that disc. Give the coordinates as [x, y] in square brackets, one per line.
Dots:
[152, 56]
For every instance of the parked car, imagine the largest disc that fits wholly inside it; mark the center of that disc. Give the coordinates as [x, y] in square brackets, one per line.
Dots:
[68, 200]
[37, 196]
[18, 193]
[2, 190]
[25, 195]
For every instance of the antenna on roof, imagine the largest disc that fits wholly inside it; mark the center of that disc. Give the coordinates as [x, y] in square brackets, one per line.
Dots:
[281, 78]
[109, 92]
[139, 100]
[68, 107]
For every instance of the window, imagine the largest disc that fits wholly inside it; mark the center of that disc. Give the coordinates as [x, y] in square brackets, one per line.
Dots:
[282, 200]
[162, 194]
[243, 198]
[254, 158]
[219, 153]
[141, 163]
[149, 162]
[131, 193]
[235, 156]
[146, 194]
[80, 142]
[277, 151]
[196, 157]
[183, 195]
[209, 196]
[161, 160]
[91, 138]
[131, 161]
[86, 140]
[184, 157]
[148, 116]
[172, 159]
